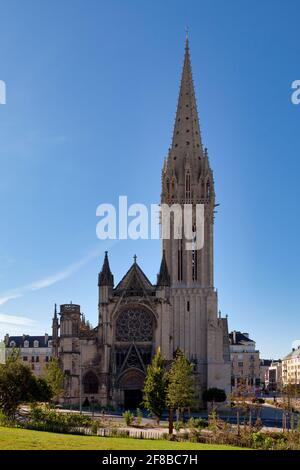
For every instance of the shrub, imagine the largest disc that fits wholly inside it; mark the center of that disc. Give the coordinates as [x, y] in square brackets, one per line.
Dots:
[178, 425]
[51, 420]
[197, 423]
[128, 417]
[139, 416]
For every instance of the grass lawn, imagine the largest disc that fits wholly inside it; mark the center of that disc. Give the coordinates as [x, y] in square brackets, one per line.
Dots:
[24, 439]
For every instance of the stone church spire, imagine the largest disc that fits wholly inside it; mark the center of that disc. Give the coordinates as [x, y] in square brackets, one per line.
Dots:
[186, 140]
[186, 152]
[105, 276]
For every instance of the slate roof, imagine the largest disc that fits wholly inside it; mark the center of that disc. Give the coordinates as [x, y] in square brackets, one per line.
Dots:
[293, 354]
[240, 338]
[19, 340]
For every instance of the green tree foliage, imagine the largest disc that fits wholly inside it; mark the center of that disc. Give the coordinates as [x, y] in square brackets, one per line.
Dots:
[18, 385]
[181, 392]
[155, 386]
[54, 377]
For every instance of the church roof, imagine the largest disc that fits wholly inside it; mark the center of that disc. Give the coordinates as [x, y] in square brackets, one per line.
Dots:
[135, 280]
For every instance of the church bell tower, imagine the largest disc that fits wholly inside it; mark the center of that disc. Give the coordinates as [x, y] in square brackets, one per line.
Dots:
[187, 178]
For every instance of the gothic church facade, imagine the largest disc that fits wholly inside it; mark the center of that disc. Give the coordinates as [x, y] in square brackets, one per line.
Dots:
[107, 364]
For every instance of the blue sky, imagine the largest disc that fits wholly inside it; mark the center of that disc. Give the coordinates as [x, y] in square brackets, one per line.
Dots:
[91, 98]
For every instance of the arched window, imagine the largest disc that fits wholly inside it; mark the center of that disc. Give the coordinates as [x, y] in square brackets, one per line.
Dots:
[187, 185]
[12, 344]
[35, 343]
[90, 383]
[194, 256]
[179, 260]
[26, 343]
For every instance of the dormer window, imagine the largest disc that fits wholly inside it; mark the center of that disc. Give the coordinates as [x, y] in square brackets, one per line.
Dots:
[26, 343]
[12, 344]
[35, 343]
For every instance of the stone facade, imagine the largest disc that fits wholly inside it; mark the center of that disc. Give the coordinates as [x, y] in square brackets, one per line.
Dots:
[291, 367]
[35, 351]
[245, 362]
[108, 363]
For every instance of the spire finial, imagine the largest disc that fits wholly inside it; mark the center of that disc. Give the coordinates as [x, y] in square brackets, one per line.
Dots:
[55, 311]
[134, 259]
[187, 37]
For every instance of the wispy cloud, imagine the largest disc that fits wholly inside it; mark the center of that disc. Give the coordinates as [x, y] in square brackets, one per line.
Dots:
[17, 325]
[49, 280]
[15, 320]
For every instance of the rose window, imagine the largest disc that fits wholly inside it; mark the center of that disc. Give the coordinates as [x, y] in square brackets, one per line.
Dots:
[134, 325]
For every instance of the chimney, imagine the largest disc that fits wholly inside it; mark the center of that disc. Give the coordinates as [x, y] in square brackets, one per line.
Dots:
[6, 339]
[46, 338]
[234, 336]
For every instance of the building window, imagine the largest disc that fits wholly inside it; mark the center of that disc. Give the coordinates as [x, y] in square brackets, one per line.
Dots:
[188, 305]
[194, 265]
[240, 364]
[12, 344]
[47, 359]
[188, 185]
[37, 359]
[32, 359]
[25, 358]
[26, 344]
[35, 344]
[135, 324]
[179, 263]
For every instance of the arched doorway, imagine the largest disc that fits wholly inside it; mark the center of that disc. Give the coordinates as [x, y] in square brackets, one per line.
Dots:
[132, 383]
[90, 383]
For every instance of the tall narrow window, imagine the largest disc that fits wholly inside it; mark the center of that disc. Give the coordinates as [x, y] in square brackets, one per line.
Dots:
[179, 261]
[194, 256]
[188, 186]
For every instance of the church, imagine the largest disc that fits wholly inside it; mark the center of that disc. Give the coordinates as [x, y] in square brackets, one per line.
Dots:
[107, 364]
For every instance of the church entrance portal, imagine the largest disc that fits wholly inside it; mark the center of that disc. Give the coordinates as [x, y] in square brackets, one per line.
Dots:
[132, 383]
[133, 399]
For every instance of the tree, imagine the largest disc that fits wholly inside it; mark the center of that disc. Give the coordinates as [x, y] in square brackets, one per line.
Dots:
[18, 385]
[181, 385]
[155, 386]
[214, 395]
[54, 377]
